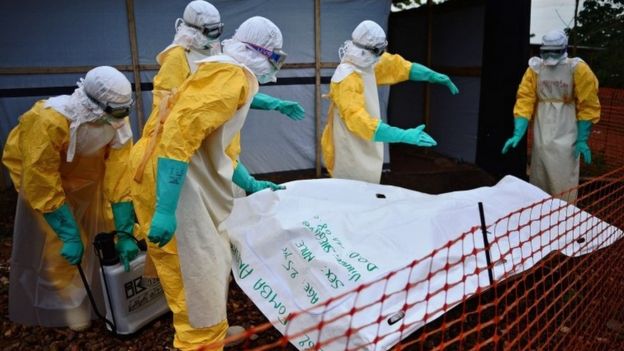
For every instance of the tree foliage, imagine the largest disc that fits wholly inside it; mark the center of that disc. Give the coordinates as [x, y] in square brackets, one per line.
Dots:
[402, 4]
[600, 24]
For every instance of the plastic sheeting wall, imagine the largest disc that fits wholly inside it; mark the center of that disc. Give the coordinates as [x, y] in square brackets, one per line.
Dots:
[90, 33]
[457, 42]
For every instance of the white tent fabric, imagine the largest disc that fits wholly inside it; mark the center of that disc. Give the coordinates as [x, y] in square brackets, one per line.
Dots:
[78, 33]
[321, 239]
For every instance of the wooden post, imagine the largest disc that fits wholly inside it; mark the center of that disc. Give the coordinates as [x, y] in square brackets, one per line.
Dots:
[3, 181]
[427, 97]
[317, 83]
[135, 63]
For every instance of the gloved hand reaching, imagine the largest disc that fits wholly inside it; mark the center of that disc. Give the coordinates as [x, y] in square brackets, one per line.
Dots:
[419, 72]
[126, 246]
[520, 126]
[291, 109]
[582, 136]
[247, 182]
[170, 177]
[443, 79]
[415, 136]
[64, 225]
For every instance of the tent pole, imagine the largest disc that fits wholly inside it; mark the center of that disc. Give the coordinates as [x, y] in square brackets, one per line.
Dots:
[576, 6]
[317, 83]
[135, 62]
[126, 68]
[427, 93]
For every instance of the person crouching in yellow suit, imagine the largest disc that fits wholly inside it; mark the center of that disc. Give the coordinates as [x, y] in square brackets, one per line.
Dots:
[192, 181]
[68, 160]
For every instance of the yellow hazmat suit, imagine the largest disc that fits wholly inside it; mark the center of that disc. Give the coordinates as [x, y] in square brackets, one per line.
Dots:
[201, 127]
[173, 72]
[354, 114]
[44, 288]
[557, 97]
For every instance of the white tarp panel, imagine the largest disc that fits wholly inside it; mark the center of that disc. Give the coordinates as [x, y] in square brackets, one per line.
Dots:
[321, 239]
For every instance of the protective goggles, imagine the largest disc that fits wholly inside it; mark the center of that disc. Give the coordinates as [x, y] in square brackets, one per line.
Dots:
[554, 53]
[375, 50]
[114, 111]
[211, 31]
[276, 57]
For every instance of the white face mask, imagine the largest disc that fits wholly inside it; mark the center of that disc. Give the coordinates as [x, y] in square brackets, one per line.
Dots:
[267, 78]
[116, 123]
[191, 38]
[91, 137]
[553, 60]
[270, 77]
[362, 58]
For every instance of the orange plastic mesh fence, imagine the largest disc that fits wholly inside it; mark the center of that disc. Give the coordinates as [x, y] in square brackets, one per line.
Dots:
[558, 284]
[607, 138]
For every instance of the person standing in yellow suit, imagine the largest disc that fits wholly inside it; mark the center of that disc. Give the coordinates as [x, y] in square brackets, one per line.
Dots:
[67, 158]
[197, 37]
[561, 95]
[192, 182]
[352, 139]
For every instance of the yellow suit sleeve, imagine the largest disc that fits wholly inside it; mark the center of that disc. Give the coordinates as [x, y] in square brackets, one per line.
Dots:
[204, 103]
[12, 158]
[392, 69]
[234, 149]
[173, 70]
[44, 135]
[348, 97]
[526, 97]
[586, 94]
[118, 175]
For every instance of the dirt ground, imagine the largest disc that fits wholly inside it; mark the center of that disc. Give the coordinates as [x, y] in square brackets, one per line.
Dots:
[412, 168]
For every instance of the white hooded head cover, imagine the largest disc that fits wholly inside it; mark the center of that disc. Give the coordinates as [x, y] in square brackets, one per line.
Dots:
[258, 31]
[198, 13]
[366, 34]
[104, 84]
[555, 40]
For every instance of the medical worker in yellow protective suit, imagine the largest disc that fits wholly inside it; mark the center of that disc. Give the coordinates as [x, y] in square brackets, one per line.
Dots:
[561, 95]
[197, 37]
[352, 142]
[193, 180]
[67, 158]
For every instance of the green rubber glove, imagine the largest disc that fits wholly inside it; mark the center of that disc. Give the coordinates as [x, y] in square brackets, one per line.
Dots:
[170, 177]
[582, 136]
[419, 72]
[291, 109]
[126, 246]
[414, 136]
[242, 178]
[520, 127]
[64, 225]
